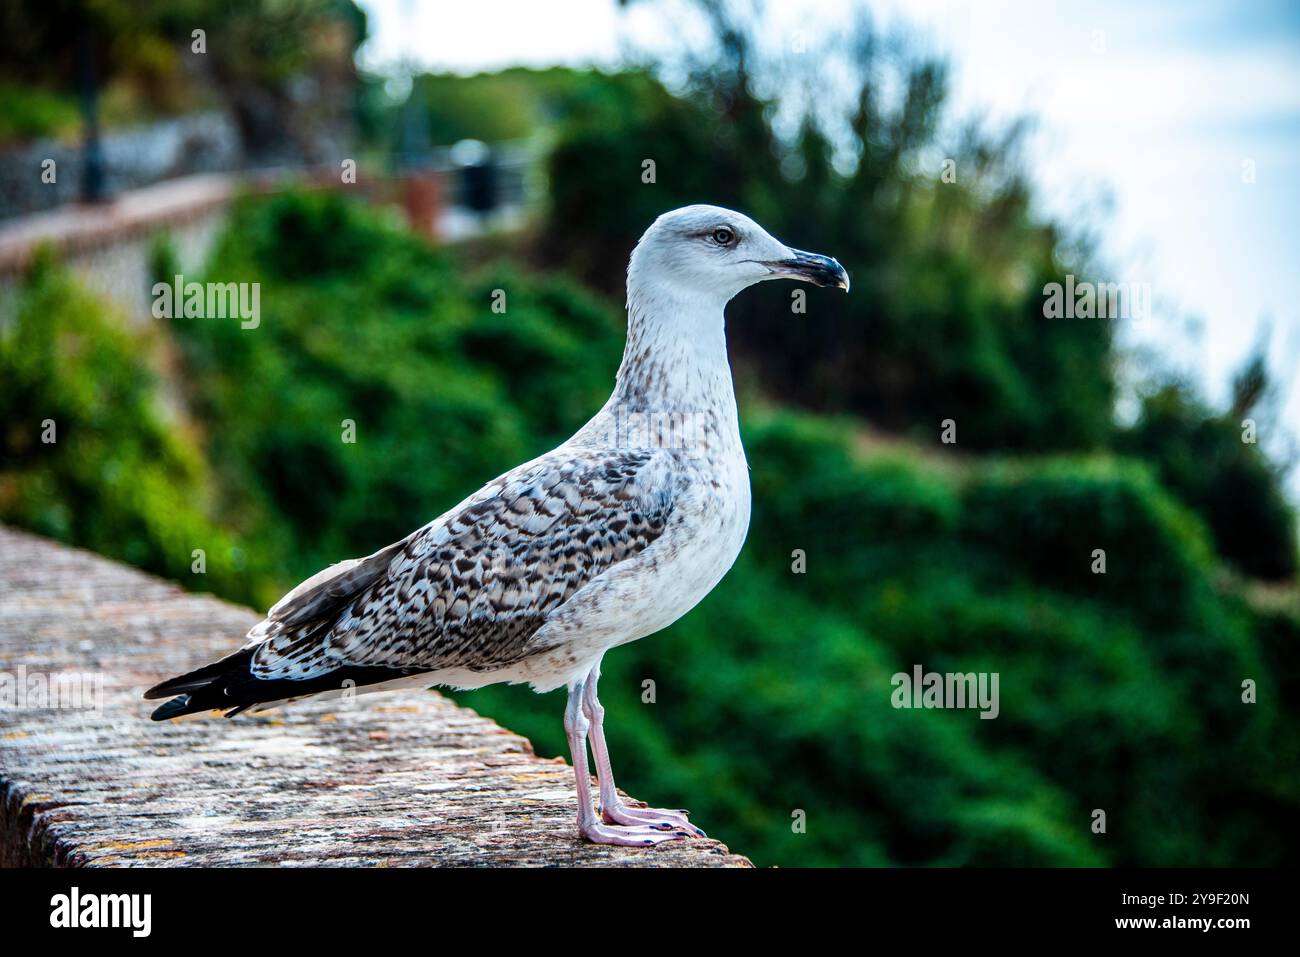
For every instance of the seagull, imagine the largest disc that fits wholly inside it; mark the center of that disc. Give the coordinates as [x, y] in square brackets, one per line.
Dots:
[610, 537]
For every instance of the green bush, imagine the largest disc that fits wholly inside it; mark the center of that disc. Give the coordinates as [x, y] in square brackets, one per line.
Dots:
[1237, 492]
[122, 476]
[1048, 521]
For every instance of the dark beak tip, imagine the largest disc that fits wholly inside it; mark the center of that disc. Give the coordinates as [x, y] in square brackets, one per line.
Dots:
[812, 267]
[833, 275]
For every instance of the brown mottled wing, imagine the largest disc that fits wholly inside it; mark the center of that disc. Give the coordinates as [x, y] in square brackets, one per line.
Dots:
[469, 589]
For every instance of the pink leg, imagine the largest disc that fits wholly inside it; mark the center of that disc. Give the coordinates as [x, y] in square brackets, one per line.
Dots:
[589, 826]
[612, 807]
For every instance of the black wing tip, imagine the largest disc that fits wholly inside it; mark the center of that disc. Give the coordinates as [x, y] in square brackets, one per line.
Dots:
[160, 690]
[200, 678]
[179, 707]
[172, 709]
[228, 686]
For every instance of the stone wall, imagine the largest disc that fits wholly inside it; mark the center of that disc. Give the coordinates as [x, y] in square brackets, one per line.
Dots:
[394, 779]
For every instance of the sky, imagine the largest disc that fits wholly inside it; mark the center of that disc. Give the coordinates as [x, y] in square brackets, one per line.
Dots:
[1151, 120]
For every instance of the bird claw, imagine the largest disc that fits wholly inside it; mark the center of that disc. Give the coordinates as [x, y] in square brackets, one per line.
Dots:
[637, 835]
[660, 818]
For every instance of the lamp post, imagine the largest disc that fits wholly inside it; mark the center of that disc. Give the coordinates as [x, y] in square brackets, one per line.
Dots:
[93, 181]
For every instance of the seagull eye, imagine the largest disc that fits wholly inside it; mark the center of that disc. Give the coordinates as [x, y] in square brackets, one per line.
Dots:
[724, 236]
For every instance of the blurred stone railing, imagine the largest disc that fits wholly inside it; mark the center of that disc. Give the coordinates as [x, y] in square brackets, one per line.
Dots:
[406, 778]
[108, 245]
[133, 157]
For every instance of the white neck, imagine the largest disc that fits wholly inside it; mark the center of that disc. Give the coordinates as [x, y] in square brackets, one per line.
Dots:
[675, 360]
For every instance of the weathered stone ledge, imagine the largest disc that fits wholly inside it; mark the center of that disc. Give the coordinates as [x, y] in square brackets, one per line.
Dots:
[400, 779]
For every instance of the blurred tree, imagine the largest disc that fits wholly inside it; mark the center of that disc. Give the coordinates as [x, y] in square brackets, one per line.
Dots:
[283, 67]
[946, 317]
[1214, 464]
[512, 104]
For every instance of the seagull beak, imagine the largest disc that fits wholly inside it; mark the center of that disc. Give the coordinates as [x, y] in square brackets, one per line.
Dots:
[810, 267]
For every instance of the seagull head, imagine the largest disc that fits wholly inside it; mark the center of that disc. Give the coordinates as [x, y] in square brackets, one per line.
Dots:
[708, 251]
